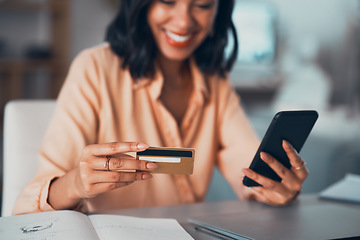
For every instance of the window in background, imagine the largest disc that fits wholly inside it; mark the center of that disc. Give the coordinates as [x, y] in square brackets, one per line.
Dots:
[256, 29]
[255, 22]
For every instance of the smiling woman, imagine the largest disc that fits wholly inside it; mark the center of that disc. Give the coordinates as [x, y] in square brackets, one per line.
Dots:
[160, 80]
[175, 28]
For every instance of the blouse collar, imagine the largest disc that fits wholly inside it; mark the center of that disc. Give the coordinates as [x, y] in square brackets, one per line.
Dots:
[155, 84]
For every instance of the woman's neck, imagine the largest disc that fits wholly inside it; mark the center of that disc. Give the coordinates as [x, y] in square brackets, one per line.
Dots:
[173, 71]
[177, 85]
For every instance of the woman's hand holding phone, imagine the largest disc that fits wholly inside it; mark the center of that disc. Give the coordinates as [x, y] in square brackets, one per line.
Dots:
[277, 172]
[273, 192]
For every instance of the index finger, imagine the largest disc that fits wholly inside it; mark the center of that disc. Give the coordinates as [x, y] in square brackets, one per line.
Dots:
[116, 147]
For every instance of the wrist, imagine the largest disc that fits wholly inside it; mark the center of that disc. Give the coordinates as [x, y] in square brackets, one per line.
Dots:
[61, 193]
[73, 193]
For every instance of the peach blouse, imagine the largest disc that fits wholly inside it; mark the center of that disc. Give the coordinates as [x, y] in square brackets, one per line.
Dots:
[101, 103]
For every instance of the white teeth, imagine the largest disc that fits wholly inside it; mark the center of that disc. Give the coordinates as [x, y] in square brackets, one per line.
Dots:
[178, 38]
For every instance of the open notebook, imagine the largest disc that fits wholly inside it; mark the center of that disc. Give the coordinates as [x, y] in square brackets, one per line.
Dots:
[60, 225]
[319, 221]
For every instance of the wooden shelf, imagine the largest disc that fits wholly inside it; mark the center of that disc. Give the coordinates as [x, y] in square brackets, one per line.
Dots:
[28, 64]
[12, 71]
[23, 5]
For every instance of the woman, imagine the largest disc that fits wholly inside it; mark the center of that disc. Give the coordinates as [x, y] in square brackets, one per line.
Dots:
[160, 81]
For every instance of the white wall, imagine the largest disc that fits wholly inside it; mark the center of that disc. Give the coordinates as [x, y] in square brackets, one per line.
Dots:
[331, 24]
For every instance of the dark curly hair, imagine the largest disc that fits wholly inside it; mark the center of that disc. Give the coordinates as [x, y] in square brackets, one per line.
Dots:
[130, 37]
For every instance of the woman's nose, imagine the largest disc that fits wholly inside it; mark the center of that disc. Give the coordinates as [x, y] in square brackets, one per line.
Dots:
[183, 17]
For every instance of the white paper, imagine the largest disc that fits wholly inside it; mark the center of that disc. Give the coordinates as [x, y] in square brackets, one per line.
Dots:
[54, 225]
[347, 189]
[123, 227]
[72, 225]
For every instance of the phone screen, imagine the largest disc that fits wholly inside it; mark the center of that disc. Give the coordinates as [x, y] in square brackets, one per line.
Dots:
[293, 126]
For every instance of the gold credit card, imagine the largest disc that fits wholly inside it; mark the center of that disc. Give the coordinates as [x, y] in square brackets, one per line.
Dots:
[170, 160]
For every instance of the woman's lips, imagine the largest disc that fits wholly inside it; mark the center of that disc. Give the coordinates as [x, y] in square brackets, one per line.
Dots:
[177, 40]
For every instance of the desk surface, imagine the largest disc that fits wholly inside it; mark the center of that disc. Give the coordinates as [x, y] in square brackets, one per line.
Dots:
[184, 212]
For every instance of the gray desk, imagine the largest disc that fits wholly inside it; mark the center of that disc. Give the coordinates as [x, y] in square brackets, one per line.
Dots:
[183, 212]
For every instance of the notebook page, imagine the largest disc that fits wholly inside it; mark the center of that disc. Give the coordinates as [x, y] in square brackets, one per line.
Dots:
[124, 227]
[54, 225]
[347, 189]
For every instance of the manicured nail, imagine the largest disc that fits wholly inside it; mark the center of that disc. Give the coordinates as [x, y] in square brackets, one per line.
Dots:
[151, 165]
[247, 172]
[142, 146]
[287, 144]
[265, 157]
[146, 176]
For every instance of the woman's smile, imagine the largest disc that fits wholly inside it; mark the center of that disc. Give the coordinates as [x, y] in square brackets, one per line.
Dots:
[178, 40]
[179, 27]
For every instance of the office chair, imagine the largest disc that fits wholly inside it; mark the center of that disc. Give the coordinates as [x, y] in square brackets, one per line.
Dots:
[25, 123]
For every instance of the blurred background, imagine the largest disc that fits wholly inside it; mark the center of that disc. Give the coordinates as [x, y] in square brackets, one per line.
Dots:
[293, 55]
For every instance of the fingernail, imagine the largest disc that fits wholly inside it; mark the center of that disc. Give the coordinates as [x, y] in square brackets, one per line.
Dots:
[142, 146]
[287, 144]
[264, 157]
[247, 172]
[151, 165]
[146, 176]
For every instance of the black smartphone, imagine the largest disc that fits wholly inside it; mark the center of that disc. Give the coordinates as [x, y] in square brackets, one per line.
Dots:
[293, 126]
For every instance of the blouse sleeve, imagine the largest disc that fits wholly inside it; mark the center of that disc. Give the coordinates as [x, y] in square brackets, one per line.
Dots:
[73, 126]
[238, 140]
